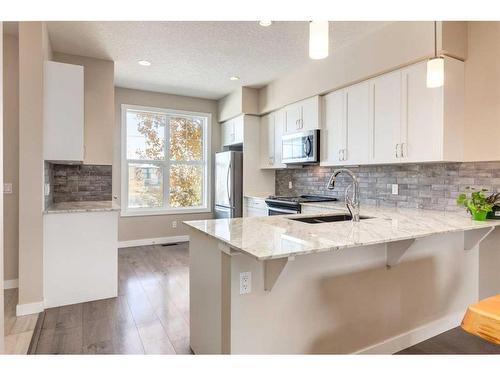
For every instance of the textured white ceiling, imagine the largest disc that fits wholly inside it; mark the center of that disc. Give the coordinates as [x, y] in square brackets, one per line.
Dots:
[197, 58]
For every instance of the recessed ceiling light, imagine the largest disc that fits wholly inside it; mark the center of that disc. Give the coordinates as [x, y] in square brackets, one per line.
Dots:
[144, 62]
[265, 23]
[234, 78]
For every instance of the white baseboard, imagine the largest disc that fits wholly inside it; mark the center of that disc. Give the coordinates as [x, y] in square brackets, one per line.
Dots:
[29, 308]
[153, 241]
[11, 284]
[413, 337]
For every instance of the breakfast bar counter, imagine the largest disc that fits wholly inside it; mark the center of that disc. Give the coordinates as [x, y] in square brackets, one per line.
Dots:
[275, 285]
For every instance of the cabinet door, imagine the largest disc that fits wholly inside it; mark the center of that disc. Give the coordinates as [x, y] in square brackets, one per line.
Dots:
[422, 125]
[334, 135]
[238, 128]
[63, 115]
[311, 113]
[279, 129]
[293, 113]
[227, 132]
[386, 117]
[267, 141]
[358, 124]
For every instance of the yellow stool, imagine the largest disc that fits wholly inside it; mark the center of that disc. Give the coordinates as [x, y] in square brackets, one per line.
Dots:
[483, 319]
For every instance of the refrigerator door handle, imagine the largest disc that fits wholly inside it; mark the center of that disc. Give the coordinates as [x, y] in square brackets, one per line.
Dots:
[227, 185]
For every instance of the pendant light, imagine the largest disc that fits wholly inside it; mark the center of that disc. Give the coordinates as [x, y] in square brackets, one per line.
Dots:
[318, 40]
[435, 66]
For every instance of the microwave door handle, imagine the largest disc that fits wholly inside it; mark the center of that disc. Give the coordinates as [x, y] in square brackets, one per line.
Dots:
[227, 185]
[308, 146]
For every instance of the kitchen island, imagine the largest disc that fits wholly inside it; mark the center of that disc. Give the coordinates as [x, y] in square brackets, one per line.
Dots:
[376, 286]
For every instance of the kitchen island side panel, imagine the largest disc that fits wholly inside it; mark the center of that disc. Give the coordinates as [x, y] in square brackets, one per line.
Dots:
[209, 295]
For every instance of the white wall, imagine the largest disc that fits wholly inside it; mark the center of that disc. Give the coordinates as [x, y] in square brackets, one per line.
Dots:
[145, 227]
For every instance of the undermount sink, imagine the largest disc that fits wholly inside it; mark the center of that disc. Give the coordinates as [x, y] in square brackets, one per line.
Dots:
[326, 219]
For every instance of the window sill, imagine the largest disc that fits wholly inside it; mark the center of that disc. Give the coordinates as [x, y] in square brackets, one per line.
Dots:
[183, 211]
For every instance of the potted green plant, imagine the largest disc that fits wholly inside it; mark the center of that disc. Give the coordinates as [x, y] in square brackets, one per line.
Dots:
[475, 202]
[494, 200]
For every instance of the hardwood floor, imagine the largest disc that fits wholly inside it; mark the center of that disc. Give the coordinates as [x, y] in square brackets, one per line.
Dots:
[150, 315]
[454, 341]
[18, 330]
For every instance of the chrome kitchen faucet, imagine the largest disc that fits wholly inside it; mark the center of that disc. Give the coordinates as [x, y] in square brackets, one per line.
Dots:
[351, 203]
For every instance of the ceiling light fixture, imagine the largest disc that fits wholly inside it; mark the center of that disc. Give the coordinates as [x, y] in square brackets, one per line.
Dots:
[318, 40]
[435, 66]
[234, 78]
[265, 23]
[144, 63]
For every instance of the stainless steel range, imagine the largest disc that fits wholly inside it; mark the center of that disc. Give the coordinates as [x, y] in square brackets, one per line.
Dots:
[291, 205]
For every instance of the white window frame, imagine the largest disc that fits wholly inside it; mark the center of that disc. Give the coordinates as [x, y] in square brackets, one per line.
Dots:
[125, 210]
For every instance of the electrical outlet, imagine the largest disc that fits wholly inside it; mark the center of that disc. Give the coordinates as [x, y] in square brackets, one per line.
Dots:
[174, 224]
[245, 282]
[395, 189]
[290, 185]
[7, 188]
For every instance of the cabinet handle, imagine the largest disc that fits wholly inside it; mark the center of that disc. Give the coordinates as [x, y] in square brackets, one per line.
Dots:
[402, 149]
[340, 153]
[396, 150]
[344, 152]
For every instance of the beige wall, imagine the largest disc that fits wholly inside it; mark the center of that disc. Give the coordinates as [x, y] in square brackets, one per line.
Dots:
[99, 106]
[482, 92]
[1, 198]
[11, 155]
[34, 48]
[242, 100]
[143, 227]
[394, 45]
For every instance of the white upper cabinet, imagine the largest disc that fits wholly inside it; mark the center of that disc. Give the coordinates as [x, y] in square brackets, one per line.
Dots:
[345, 137]
[271, 130]
[303, 115]
[395, 118]
[386, 117]
[232, 131]
[63, 114]
[358, 124]
[334, 133]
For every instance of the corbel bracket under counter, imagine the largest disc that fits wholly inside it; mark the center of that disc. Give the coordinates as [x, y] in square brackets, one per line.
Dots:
[473, 237]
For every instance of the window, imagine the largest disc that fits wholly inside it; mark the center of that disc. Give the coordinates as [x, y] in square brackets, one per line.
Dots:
[165, 161]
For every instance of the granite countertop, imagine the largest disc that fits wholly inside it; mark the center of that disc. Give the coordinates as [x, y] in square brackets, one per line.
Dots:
[278, 237]
[88, 206]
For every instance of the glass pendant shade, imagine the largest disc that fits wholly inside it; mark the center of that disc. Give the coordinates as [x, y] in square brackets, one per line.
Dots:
[435, 72]
[318, 40]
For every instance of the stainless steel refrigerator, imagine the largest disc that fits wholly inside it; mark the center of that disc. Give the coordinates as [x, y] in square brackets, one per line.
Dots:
[228, 184]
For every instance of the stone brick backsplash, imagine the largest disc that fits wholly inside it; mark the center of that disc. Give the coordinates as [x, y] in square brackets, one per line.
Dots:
[73, 183]
[430, 186]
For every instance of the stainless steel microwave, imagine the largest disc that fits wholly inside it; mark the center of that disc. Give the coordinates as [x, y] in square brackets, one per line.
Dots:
[300, 148]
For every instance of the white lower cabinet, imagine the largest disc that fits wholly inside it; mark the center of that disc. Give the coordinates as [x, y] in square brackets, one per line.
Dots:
[80, 257]
[254, 207]
[395, 118]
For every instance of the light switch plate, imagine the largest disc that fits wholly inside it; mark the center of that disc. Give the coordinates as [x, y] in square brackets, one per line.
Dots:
[46, 189]
[7, 188]
[245, 282]
[395, 189]
[290, 185]
[174, 224]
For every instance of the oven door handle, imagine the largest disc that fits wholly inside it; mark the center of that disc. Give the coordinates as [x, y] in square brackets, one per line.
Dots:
[283, 210]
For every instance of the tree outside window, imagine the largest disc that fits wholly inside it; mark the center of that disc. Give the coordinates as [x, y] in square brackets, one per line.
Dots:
[166, 159]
